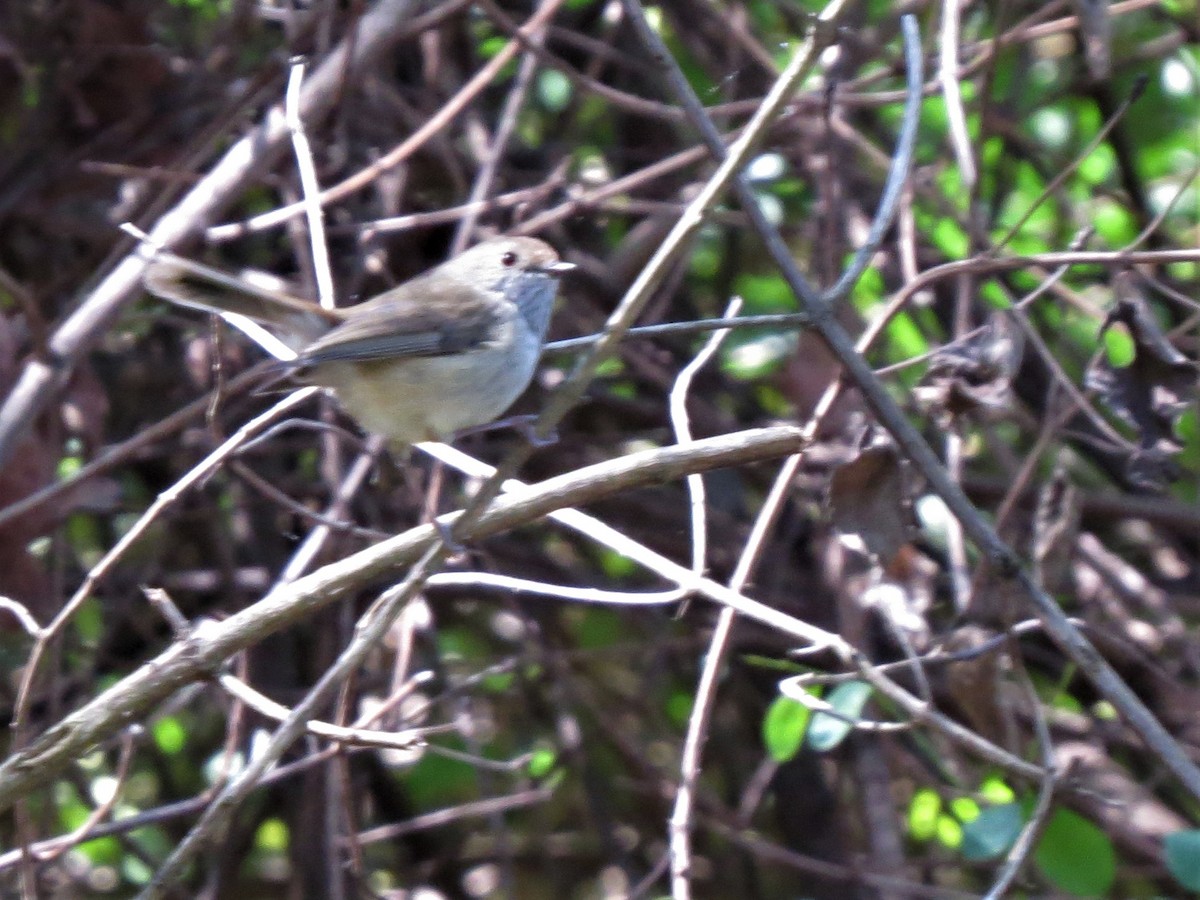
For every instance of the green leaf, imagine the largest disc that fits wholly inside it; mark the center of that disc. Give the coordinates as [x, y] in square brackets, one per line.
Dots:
[616, 565]
[1118, 347]
[499, 682]
[610, 368]
[102, 851]
[992, 832]
[1115, 225]
[490, 46]
[554, 90]
[966, 809]
[705, 260]
[784, 726]
[949, 831]
[828, 731]
[765, 293]
[679, 707]
[906, 338]
[1183, 857]
[169, 735]
[950, 238]
[869, 290]
[923, 812]
[72, 812]
[1076, 856]
[89, 621]
[69, 466]
[773, 664]
[206, 10]
[996, 791]
[542, 762]
[135, 870]
[1098, 166]
[272, 834]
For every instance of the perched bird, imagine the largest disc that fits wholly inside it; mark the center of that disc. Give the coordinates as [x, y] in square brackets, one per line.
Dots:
[450, 349]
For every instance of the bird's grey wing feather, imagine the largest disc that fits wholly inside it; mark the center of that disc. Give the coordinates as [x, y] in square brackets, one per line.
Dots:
[416, 319]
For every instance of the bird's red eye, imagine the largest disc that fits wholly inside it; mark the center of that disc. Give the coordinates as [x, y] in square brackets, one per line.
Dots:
[509, 258]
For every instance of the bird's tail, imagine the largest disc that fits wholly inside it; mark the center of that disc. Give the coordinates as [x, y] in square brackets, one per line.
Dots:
[281, 324]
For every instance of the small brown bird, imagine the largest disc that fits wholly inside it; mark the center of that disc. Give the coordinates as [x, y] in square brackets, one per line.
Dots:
[450, 349]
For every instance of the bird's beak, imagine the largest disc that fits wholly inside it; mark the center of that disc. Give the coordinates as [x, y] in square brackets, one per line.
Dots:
[562, 267]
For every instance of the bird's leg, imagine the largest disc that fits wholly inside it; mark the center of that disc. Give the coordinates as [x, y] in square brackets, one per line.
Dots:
[523, 424]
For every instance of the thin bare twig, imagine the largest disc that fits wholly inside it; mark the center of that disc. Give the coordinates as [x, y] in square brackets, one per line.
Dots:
[41, 378]
[683, 435]
[443, 117]
[500, 140]
[164, 501]
[952, 92]
[681, 817]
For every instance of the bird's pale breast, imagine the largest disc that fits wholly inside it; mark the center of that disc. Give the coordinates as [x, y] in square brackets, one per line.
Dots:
[431, 397]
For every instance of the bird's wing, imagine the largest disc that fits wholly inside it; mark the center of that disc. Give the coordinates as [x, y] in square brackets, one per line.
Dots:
[418, 318]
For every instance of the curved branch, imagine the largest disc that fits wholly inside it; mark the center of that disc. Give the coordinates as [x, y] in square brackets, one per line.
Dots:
[202, 653]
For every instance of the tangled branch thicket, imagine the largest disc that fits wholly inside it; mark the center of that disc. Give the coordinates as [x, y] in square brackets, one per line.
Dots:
[895, 596]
